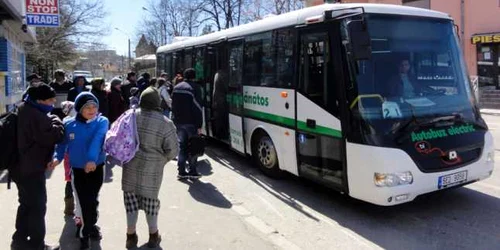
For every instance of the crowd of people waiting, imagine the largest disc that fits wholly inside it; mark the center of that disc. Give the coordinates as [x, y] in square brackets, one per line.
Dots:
[67, 121]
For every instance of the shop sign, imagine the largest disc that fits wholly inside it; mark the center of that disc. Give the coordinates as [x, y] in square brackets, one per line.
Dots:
[491, 38]
[42, 13]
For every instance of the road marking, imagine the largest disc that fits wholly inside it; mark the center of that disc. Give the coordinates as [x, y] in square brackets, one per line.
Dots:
[260, 225]
[241, 210]
[281, 241]
[307, 210]
[270, 206]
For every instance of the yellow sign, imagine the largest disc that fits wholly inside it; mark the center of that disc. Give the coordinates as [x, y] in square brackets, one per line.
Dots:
[494, 38]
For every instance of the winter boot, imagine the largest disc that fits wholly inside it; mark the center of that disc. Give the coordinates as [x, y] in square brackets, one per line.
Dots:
[154, 240]
[132, 240]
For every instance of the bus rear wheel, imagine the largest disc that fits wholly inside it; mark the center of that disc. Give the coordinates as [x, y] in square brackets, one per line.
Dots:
[264, 153]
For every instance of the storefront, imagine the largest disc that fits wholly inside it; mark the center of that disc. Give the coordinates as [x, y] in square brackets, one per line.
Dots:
[13, 36]
[488, 58]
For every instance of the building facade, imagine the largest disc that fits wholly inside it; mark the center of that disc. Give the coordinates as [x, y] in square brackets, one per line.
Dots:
[13, 36]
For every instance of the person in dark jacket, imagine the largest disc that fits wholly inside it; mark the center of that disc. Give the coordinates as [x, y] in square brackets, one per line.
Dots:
[62, 88]
[98, 91]
[38, 133]
[34, 80]
[188, 118]
[117, 104]
[80, 83]
[144, 82]
[83, 142]
[128, 85]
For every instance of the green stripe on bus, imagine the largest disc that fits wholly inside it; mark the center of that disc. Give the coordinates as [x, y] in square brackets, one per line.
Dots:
[291, 123]
[270, 117]
[319, 130]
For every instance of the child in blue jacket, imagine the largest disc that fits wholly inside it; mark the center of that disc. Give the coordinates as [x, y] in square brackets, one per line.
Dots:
[83, 141]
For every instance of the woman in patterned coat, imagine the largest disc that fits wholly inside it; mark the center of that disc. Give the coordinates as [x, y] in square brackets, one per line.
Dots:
[143, 175]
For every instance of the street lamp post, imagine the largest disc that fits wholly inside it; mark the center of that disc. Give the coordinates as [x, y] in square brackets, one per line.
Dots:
[129, 52]
[163, 31]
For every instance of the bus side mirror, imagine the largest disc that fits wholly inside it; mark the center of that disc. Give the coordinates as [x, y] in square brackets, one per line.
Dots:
[360, 41]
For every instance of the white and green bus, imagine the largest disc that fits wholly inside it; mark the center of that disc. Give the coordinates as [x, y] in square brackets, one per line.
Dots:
[372, 100]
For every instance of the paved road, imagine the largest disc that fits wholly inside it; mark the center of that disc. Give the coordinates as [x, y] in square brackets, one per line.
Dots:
[235, 207]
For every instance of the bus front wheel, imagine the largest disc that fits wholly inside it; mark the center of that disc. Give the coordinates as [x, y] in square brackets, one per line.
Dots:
[264, 153]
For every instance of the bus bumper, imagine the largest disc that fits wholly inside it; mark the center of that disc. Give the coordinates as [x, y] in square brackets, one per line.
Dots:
[364, 161]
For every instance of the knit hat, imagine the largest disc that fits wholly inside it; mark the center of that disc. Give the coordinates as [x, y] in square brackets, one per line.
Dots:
[115, 81]
[150, 99]
[41, 92]
[33, 76]
[84, 99]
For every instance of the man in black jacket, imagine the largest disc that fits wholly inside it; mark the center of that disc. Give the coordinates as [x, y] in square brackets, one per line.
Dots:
[62, 88]
[38, 134]
[127, 86]
[188, 118]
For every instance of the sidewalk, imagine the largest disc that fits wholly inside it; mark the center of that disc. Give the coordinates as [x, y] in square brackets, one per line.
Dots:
[193, 215]
[490, 111]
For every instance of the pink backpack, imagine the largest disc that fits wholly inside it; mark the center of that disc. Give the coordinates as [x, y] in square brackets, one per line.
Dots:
[122, 140]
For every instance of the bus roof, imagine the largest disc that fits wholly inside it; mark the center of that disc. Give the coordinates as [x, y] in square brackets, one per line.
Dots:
[296, 18]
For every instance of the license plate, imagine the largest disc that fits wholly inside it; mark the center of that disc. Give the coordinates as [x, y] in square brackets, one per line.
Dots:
[452, 179]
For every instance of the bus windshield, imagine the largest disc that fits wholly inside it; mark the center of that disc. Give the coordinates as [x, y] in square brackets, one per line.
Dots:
[416, 72]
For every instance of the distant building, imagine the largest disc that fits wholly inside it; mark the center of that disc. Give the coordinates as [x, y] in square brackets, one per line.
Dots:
[13, 35]
[144, 47]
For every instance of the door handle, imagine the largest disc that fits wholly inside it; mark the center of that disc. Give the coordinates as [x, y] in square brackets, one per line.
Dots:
[310, 123]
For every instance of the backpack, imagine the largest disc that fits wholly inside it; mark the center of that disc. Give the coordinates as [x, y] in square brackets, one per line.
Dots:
[122, 140]
[196, 146]
[9, 155]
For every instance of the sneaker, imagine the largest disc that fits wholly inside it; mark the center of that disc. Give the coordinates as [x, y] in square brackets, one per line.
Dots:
[85, 243]
[154, 240]
[182, 175]
[132, 241]
[194, 175]
[95, 234]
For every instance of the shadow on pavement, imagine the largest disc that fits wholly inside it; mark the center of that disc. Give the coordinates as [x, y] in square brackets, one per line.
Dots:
[207, 193]
[145, 246]
[204, 167]
[68, 239]
[460, 218]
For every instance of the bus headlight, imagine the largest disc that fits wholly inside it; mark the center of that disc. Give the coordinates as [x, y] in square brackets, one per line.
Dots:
[393, 179]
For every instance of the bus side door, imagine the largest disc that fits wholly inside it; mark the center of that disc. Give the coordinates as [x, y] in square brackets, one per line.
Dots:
[319, 132]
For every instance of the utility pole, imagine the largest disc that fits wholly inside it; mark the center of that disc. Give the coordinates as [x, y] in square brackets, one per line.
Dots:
[129, 56]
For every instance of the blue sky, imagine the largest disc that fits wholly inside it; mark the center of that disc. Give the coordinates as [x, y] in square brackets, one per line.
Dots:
[125, 15]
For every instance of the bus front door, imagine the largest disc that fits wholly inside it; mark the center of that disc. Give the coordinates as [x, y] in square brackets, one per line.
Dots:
[319, 133]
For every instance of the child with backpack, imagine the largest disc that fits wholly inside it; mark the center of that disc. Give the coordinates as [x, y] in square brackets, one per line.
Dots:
[83, 141]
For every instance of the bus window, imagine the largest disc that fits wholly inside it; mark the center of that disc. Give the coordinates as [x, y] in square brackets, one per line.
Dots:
[235, 63]
[314, 71]
[188, 59]
[168, 65]
[285, 63]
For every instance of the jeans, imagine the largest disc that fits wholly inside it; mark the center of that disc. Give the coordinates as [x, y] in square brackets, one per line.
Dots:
[184, 132]
[30, 220]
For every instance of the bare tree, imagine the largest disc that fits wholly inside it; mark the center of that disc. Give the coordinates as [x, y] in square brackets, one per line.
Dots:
[81, 21]
[170, 18]
[224, 13]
